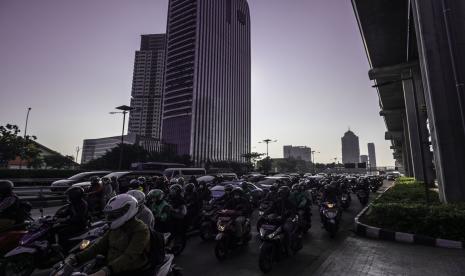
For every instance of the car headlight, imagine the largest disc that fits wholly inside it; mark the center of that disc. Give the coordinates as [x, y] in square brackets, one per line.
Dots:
[84, 244]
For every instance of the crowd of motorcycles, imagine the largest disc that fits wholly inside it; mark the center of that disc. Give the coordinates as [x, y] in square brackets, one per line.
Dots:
[283, 217]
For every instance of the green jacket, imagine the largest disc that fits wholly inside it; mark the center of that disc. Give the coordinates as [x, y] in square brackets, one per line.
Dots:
[126, 248]
[161, 211]
[300, 199]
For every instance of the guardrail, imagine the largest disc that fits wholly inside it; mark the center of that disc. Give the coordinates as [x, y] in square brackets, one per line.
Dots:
[40, 196]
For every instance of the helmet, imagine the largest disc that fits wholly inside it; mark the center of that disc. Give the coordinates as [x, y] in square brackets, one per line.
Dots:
[138, 195]
[295, 187]
[105, 180]
[141, 179]
[120, 209]
[228, 188]
[244, 185]
[274, 187]
[202, 184]
[74, 194]
[155, 195]
[180, 181]
[134, 184]
[94, 180]
[6, 187]
[176, 189]
[190, 188]
[283, 192]
[237, 192]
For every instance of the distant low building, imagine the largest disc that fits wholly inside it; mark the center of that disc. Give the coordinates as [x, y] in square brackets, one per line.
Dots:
[44, 152]
[364, 159]
[95, 148]
[297, 152]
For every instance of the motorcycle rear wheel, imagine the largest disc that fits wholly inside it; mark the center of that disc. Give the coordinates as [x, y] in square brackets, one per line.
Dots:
[265, 260]
[221, 250]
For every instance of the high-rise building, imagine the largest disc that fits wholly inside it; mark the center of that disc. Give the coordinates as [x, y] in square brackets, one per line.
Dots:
[206, 109]
[364, 158]
[372, 155]
[147, 87]
[298, 152]
[350, 148]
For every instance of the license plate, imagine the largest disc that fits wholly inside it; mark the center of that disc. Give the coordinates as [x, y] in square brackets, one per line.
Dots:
[268, 227]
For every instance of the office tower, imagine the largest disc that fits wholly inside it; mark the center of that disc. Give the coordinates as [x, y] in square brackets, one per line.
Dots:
[372, 155]
[350, 148]
[147, 87]
[206, 109]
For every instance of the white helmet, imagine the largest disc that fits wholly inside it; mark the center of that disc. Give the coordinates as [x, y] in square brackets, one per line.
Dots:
[138, 195]
[120, 209]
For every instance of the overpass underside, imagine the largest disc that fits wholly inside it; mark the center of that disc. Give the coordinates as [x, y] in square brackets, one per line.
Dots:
[416, 51]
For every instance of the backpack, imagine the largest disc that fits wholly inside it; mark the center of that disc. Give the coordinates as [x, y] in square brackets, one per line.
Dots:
[157, 248]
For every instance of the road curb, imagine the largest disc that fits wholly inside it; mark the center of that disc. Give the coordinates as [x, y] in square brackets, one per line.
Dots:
[373, 232]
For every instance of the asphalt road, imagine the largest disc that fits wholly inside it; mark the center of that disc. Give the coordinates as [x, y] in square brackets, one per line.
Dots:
[198, 258]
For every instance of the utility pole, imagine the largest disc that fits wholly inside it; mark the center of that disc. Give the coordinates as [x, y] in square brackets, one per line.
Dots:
[313, 160]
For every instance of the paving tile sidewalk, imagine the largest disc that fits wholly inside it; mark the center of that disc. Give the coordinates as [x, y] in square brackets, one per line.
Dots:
[361, 256]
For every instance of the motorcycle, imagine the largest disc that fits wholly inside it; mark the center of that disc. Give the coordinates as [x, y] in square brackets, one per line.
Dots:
[346, 200]
[208, 229]
[362, 195]
[226, 239]
[167, 268]
[272, 238]
[84, 241]
[265, 205]
[330, 217]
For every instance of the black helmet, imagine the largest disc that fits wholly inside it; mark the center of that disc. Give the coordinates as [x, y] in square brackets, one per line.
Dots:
[274, 187]
[283, 192]
[189, 188]
[244, 185]
[134, 184]
[237, 191]
[75, 194]
[105, 180]
[176, 189]
[6, 187]
[228, 188]
[94, 180]
[142, 179]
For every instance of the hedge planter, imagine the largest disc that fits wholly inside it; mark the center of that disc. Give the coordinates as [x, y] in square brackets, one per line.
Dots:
[365, 230]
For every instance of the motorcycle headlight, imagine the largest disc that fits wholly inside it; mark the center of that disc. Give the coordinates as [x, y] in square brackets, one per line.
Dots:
[260, 213]
[84, 244]
[330, 205]
[221, 227]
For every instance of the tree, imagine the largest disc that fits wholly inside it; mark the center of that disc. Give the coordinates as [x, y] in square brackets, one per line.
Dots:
[13, 145]
[265, 165]
[252, 157]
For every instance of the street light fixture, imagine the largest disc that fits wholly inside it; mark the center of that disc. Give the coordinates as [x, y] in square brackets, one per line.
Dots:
[313, 160]
[267, 142]
[124, 110]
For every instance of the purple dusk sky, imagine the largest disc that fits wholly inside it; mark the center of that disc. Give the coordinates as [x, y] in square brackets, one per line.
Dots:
[72, 62]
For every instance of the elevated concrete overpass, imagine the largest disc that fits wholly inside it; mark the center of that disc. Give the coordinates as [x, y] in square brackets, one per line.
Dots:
[415, 51]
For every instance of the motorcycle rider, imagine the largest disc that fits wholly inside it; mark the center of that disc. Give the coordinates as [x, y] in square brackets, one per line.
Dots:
[330, 193]
[301, 201]
[204, 193]
[144, 214]
[228, 188]
[73, 217]
[239, 203]
[177, 213]
[95, 199]
[192, 202]
[11, 211]
[286, 209]
[135, 184]
[143, 184]
[108, 191]
[160, 208]
[273, 193]
[126, 245]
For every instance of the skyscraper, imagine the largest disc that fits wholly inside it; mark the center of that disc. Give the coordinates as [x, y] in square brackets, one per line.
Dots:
[206, 110]
[350, 148]
[147, 87]
[372, 155]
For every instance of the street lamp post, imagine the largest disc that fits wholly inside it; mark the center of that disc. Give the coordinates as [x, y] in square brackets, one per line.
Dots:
[267, 142]
[25, 134]
[124, 110]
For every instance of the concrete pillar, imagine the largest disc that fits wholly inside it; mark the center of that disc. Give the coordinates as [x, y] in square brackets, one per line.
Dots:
[406, 150]
[416, 123]
[440, 31]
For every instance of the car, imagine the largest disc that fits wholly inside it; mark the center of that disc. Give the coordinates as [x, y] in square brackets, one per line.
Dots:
[256, 192]
[174, 174]
[270, 180]
[123, 178]
[62, 185]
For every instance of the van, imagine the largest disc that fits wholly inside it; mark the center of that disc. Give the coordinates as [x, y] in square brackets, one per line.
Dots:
[186, 173]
